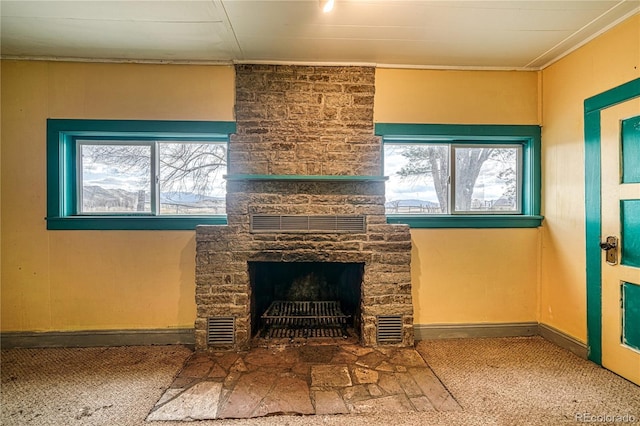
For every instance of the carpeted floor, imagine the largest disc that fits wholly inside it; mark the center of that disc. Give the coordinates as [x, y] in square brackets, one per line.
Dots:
[510, 381]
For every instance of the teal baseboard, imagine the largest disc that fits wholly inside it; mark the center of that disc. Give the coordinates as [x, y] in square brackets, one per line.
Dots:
[563, 340]
[462, 331]
[90, 338]
[185, 336]
[518, 329]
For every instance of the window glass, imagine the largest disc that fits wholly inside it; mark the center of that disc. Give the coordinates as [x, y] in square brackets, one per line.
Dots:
[114, 178]
[487, 179]
[443, 178]
[418, 178]
[190, 177]
[151, 177]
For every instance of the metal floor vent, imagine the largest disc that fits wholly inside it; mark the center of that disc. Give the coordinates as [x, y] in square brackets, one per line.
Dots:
[220, 331]
[293, 223]
[389, 329]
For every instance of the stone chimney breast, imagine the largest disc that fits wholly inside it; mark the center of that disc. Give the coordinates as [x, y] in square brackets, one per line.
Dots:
[304, 146]
[303, 120]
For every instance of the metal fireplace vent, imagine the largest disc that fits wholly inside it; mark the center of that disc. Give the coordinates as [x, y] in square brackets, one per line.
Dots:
[220, 331]
[292, 223]
[389, 329]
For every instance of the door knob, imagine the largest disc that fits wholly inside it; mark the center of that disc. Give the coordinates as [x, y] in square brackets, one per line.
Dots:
[610, 246]
[607, 246]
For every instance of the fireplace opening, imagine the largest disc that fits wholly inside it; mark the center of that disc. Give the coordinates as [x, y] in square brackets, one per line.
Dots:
[305, 299]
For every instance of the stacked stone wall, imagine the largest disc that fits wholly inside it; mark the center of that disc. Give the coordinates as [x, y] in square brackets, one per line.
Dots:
[302, 120]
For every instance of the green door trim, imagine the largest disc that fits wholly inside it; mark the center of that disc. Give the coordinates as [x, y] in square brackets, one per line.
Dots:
[593, 203]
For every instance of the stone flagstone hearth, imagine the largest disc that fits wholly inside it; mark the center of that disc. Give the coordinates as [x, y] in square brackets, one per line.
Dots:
[302, 380]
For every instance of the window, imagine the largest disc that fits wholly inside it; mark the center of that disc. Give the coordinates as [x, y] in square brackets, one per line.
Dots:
[462, 176]
[428, 178]
[151, 177]
[136, 174]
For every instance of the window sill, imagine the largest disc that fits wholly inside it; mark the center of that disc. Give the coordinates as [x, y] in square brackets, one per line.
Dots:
[133, 223]
[468, 221]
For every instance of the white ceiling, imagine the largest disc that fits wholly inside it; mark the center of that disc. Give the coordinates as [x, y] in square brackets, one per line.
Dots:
[458, 34]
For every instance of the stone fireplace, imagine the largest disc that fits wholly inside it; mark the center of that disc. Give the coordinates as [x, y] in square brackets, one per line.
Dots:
[305, 211]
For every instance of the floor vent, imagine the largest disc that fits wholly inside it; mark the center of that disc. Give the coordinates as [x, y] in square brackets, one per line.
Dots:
[221, 331]
[389, 329]
[292, 223]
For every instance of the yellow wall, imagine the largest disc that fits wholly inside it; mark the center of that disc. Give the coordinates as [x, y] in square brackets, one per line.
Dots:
[467, 275]
[606, 62]
[456, 97]
[74, 280]
[475, 275]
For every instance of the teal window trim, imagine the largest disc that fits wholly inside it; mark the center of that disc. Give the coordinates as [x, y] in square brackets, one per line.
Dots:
[593, 206]
[529, 136]
[61, 169]
[467, 221]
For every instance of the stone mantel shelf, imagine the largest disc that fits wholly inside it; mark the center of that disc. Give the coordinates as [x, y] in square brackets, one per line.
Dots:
[306, 178]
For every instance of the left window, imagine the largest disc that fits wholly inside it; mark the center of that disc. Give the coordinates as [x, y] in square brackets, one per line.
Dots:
[133, 174]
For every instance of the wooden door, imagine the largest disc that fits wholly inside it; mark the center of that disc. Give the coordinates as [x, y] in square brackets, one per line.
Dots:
[620, 180]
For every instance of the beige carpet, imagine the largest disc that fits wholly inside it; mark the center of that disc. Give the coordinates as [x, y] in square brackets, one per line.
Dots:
[515, 381]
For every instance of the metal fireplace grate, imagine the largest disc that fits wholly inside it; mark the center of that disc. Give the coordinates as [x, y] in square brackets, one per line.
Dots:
[304, 319]
[220, 331]
[389, 329]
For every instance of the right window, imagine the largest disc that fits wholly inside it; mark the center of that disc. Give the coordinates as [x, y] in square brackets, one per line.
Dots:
[461, 176]
[441, 178]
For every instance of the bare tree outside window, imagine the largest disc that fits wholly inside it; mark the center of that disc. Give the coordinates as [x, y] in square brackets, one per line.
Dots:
[115, 178]
[189, 177]
[485, 176]
[429, 161]
[469, 161]
[486, 179]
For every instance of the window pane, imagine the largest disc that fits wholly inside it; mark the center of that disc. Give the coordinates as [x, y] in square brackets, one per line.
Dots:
[115, 178]
[486, 179]
[418, 178]
[191, 177]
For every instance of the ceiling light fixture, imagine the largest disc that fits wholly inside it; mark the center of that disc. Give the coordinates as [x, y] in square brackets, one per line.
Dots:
[326, 5]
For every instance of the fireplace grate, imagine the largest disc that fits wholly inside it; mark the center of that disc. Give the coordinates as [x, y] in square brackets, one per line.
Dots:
[304, 319]
[303, 333]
